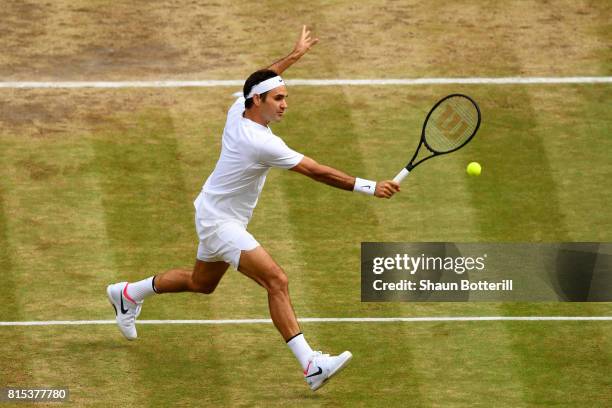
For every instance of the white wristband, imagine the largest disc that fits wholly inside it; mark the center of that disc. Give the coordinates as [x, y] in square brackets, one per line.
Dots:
[364, 186]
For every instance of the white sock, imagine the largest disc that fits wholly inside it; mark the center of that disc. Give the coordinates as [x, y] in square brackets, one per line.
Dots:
[140, 290]
[301, 349]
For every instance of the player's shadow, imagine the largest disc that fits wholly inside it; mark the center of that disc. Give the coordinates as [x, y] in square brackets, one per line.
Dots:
[582, 272]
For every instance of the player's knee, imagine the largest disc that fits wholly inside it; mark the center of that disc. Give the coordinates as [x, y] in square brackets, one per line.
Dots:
[278, 282]
[207, 289]
[203, 287]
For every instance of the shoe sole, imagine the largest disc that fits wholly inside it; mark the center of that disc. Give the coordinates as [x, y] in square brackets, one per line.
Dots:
[347, 358]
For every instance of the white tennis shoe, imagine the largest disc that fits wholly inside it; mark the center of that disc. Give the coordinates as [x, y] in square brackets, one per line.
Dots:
[322, 367]
[126, 311]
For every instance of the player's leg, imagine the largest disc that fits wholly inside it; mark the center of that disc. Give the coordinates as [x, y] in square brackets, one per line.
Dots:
[258, 265]
[204, 278]
[127, 298]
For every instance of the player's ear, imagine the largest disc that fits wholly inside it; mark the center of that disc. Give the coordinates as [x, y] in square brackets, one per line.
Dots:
[257, 100]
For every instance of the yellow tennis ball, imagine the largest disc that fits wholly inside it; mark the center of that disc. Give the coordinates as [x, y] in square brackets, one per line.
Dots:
[474, 169]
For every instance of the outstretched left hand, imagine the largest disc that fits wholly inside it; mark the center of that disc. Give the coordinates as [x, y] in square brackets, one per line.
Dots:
[304, 42]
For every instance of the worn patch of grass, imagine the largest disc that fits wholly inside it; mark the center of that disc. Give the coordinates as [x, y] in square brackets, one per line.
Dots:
[97, 40]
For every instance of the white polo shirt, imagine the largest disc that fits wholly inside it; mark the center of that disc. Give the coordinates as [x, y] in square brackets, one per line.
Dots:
[248, 152]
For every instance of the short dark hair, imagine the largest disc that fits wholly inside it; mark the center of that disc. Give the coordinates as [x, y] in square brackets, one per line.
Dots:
[254, 79]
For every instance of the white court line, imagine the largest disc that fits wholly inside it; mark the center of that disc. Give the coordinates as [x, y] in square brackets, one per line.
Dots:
[307, 82]
[321, 320]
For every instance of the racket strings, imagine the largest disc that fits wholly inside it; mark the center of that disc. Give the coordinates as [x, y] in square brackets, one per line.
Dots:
[451, 124]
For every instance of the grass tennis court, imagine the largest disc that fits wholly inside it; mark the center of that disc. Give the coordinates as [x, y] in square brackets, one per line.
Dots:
[97, 186]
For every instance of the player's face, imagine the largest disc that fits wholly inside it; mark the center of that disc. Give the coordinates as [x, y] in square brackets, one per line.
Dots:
[275, 105]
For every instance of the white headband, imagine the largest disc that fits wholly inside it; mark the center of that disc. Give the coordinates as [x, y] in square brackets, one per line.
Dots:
[266, 86]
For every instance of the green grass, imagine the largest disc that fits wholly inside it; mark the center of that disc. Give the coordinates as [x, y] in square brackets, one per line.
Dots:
[430, 364]
[96, 186]
[110, 198]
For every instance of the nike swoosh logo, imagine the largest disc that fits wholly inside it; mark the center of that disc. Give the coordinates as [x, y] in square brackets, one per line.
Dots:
[123, 310]
[317, 373]
[368, 187]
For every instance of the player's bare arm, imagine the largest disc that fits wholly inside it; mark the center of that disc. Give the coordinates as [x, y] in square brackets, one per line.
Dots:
[302, 46]
[339, 179]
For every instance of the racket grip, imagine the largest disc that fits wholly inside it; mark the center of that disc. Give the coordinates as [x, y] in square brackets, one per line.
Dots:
[401, 175]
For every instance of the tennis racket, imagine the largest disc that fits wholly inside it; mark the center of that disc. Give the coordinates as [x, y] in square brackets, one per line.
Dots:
[449, 126]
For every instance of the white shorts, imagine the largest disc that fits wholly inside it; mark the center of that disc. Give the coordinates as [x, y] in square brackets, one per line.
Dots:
[223, 241]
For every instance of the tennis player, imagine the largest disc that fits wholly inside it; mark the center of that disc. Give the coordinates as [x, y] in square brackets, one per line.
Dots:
[225, 205]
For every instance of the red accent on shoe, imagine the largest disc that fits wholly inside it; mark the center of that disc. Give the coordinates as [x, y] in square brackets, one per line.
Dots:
[307, 367]
[128, 297]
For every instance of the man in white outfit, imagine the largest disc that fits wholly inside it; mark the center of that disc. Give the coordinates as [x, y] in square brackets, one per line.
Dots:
[225, 205]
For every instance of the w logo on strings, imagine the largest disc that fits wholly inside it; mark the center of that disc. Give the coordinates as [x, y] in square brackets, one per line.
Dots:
[451, 123]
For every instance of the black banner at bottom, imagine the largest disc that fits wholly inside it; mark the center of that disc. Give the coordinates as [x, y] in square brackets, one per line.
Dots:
[494, 272]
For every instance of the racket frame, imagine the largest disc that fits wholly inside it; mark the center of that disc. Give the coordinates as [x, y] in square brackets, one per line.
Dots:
[408, 168]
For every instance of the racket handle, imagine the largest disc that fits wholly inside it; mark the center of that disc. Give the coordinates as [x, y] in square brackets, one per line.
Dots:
[401, 175]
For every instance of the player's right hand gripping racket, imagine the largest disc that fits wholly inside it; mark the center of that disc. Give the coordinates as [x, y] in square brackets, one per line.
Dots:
[449, 126]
